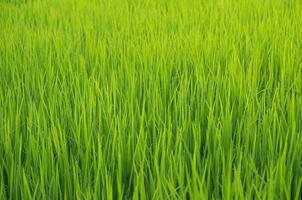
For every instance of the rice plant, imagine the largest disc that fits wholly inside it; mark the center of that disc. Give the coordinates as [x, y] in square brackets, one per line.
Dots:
[151, 99]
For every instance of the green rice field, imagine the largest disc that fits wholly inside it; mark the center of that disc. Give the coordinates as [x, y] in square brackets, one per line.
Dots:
[151, 99]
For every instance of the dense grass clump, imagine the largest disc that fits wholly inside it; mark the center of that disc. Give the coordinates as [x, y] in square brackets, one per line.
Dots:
[151, 99]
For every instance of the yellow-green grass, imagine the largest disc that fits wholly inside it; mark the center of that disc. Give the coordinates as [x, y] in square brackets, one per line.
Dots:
[150, 99]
